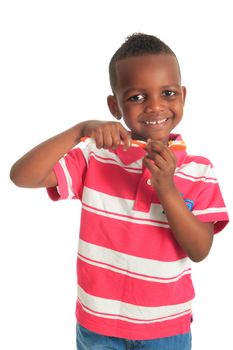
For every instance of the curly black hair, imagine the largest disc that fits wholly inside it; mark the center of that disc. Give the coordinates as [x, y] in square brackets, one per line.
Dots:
[138, 44]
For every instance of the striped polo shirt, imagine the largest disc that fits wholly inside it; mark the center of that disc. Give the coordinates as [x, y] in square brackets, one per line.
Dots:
[134, 280]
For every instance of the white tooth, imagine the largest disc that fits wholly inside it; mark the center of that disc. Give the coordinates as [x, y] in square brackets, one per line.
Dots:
[161, 121]
[154, 122]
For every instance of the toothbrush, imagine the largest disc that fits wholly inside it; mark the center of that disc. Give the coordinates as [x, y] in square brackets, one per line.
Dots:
[175, 145]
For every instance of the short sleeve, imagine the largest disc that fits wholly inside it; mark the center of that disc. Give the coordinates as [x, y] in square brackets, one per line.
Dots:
[70, 172]
[210, 205]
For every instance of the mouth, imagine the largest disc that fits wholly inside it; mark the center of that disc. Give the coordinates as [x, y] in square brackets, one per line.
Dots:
[155, 122]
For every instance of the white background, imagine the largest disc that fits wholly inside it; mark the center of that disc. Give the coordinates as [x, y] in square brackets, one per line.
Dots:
[54, 73]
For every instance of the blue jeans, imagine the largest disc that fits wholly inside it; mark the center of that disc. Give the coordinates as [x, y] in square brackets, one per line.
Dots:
[87, 340]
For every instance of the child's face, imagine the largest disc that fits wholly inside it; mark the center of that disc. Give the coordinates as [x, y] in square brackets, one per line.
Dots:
[148, 95]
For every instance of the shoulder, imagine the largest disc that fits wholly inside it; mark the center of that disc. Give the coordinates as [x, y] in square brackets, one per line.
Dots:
[197, 159]
[197, 168]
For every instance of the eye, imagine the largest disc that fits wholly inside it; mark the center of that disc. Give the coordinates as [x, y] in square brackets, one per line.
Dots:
[169, 93]
[137, 98]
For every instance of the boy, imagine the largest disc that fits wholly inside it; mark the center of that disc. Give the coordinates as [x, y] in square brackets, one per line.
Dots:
[146, 211]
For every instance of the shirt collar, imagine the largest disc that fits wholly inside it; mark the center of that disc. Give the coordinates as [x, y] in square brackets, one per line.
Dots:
[132, 154]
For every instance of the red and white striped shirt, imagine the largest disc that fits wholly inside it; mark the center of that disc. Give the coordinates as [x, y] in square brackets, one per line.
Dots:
[134, 280]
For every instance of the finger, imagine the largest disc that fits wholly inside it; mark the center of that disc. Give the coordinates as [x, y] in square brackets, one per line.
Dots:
[116, 140]
[107, 139]
[159, 161]
[150, 165]
[97, 135]
[116, 135]
[125, 137]
[158, 147]
[112, 135]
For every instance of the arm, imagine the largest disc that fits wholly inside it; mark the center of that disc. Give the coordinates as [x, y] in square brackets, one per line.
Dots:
[34, 169]
[194, 236]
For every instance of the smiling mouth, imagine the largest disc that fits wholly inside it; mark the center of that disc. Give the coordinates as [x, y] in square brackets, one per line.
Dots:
[155, 122]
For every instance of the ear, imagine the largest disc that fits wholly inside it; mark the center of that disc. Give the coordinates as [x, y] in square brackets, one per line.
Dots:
[113, 107]
[184, 92]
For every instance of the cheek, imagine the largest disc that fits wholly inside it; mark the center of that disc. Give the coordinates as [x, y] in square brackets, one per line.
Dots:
[179, 105]
[132, 109]
[177, 109]
[124, 110]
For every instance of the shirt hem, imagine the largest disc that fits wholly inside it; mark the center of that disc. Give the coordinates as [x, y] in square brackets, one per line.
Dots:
[156, 332]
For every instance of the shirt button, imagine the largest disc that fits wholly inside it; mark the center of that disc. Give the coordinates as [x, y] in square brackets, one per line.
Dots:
[148, 182]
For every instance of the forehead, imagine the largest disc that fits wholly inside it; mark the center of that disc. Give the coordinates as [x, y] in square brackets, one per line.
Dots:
[147, 70]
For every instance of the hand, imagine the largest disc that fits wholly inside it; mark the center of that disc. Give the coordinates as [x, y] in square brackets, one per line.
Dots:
[161, 162]
[107, 134]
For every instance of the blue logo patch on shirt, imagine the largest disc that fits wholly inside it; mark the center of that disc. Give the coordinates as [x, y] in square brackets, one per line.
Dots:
[188, 202]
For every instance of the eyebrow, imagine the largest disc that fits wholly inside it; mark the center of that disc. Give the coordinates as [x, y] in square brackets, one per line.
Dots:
[170, 86]
[132, 90]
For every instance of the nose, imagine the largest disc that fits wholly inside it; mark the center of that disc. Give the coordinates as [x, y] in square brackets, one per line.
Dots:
[155, 104]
